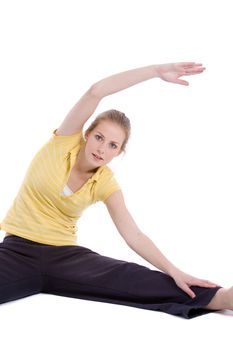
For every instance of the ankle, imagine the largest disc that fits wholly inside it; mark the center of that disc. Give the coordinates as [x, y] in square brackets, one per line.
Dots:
[221, 300]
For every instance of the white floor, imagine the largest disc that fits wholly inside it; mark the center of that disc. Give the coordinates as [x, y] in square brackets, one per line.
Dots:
[52, 322]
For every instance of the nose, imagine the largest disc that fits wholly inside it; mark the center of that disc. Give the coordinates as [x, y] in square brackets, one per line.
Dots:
[100, 151]
[101, 147]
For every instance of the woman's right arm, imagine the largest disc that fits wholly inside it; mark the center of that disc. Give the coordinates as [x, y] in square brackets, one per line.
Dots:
[85, 107]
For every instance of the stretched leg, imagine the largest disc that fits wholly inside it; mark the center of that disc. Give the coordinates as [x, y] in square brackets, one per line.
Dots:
[19, 274]
[78, 272]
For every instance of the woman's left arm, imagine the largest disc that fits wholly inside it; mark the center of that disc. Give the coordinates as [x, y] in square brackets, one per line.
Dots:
[145, 247]
[169, 72]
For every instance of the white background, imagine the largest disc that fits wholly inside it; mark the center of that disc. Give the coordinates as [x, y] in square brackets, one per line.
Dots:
[176, 175]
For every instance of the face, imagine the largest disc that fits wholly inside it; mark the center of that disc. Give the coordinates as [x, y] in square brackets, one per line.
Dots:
[104, 143]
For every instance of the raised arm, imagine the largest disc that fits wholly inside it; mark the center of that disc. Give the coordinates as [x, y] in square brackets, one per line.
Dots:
[85, 107]
[170, 72]
[79, 114]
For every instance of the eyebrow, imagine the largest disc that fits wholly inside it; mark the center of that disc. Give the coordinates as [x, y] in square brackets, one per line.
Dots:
[104, 137]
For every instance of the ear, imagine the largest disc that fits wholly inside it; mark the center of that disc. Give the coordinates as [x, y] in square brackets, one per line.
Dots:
[86, 134]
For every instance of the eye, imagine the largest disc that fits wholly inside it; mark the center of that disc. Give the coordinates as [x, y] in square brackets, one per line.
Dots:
[98, 137]
[114, 145]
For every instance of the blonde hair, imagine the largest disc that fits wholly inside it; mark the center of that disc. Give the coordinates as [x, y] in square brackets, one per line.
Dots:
[116, 117]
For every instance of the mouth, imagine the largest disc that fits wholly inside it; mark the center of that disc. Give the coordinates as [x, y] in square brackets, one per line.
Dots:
[96, 157]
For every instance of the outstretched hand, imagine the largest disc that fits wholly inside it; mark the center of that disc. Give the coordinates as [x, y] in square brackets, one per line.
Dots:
[171, 72]
[184, 281]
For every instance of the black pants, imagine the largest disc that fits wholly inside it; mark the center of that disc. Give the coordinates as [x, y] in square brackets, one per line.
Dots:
[28, 268]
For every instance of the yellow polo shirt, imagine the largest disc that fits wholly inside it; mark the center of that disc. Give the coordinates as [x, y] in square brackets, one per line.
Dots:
[41, 212]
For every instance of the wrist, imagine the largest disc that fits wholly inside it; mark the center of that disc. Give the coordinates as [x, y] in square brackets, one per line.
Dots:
[157, 70]
[173, 270]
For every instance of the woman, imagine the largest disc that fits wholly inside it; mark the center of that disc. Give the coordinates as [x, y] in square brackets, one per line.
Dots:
[69, 173]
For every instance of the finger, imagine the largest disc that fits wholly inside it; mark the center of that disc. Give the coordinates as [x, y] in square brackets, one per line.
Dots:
[205, 283]
[185, 64]
[187, 290]
[193, 70]
[182, 82]
[210, 284]
[188, 64]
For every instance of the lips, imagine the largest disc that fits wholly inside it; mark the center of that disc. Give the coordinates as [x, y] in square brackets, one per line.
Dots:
[97, 157]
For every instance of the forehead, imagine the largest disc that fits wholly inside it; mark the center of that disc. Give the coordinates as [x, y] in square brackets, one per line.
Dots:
[111, 131]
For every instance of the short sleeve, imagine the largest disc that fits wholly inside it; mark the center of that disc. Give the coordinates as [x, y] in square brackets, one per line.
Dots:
[68, 142]
[106, 185]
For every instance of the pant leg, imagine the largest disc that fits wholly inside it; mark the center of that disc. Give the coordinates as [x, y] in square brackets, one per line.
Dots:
[20, 274]
[79, 272]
